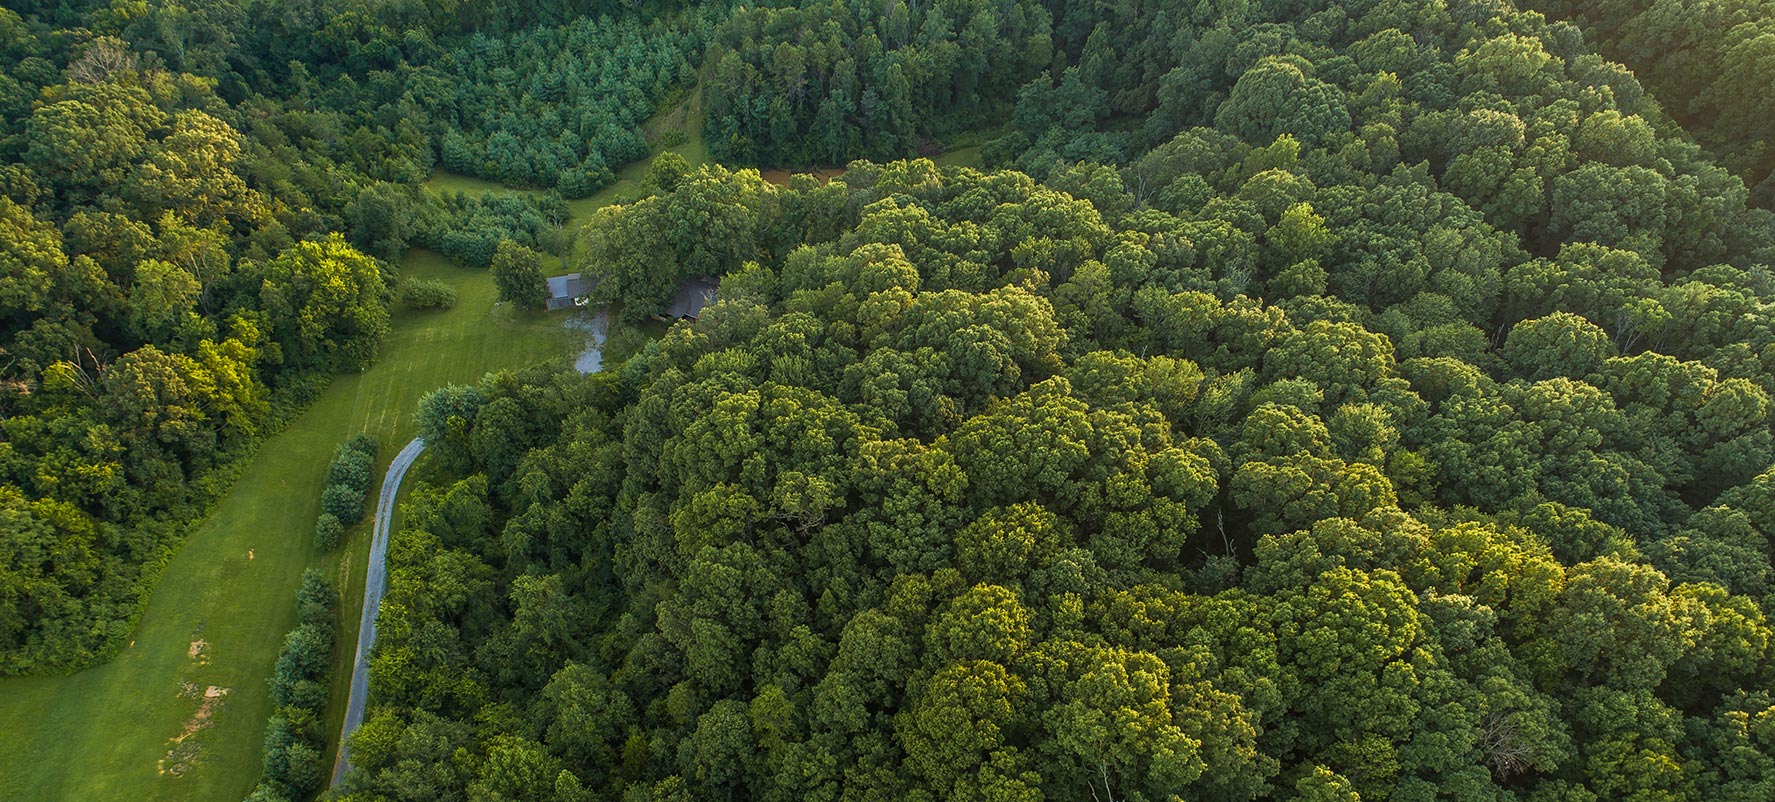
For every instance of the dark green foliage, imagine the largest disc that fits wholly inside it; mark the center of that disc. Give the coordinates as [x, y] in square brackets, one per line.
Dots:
[1708, 64]
[327, 531]
[969, 488]
[294, 741]
[1345, 400]
[709, 225]
[353, 462]
[350, 476]
[470, 228]
[342, 503]
[826, 82]
[423, 294]
[444, 418]
[556, 107]
[517, 274]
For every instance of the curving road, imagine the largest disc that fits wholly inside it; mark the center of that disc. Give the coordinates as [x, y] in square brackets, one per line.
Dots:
[374, 583]
[590, 361]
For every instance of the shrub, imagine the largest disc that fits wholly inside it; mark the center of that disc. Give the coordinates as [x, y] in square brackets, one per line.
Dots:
[349, 477]
[424, 294]
[352, 470]
[342, 502]
[328, 531]
[354, 463]
[362, 441]
[294, 736]
[316, 599]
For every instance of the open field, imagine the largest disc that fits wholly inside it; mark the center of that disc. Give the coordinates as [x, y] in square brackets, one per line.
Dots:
[180, 714]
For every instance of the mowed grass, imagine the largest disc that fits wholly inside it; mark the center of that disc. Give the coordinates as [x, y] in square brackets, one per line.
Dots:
[138, 728]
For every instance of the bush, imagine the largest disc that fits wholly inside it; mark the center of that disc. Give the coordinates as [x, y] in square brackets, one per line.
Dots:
[328, 531]
[352, 470]
[342, 502]
[316, 599]
[354, 463]
[362, 441]
[294, 738]
[349, 477]
[303, 770]
[423, 294]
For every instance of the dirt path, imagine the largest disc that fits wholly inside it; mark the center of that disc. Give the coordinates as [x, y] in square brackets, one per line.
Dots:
[373, 587]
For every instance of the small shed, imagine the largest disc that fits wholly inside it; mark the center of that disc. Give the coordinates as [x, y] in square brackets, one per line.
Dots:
[569, 291]
[691, 298]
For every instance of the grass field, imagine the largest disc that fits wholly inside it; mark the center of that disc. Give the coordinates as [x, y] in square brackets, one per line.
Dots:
[141, 727]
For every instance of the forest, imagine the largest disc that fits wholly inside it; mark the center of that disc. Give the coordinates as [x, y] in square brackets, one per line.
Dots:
[1303, 400]
[1341, 401]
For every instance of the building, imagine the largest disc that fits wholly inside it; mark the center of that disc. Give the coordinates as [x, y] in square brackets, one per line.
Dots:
[691, 298]
[569, 291]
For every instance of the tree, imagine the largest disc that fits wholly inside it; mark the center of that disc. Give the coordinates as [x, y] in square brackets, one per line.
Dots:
[517, 273]
[666, 171]
[328, 305]
[445, 416]
[1561, 344]
[1278, 95]
[959, 720]
[30, 260]
[1113, 720]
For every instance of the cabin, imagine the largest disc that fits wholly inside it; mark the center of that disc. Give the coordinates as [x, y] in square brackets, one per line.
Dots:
[569, 291]
[691, 298]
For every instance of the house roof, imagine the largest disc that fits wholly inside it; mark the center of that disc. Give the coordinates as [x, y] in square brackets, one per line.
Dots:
[564, 289]
[691, 298]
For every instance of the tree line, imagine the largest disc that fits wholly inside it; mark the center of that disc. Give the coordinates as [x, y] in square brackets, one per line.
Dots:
[295, 736]
[350, 476]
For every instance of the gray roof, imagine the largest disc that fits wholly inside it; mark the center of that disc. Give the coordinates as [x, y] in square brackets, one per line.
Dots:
[564, 289]
[692, 297]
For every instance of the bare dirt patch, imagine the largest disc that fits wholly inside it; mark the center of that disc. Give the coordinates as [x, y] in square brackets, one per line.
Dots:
[182, 749]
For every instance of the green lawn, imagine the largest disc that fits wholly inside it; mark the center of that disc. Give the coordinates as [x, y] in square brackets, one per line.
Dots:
[114, 732]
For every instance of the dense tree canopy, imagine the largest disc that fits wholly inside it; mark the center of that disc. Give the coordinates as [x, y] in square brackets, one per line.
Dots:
[1711, 65]
[1309, 400]
[970, 488]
